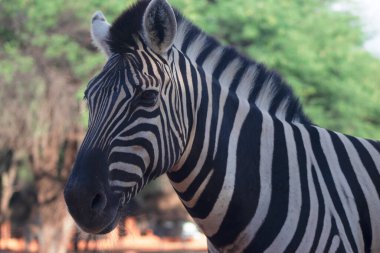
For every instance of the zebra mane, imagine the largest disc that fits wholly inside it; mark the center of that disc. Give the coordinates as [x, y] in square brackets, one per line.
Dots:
[268, 90]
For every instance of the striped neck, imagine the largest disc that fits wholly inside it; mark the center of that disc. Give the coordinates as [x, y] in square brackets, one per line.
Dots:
[225, 90]
[265, 88]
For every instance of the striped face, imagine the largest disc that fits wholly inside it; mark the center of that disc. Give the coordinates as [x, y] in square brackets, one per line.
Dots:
[128, 107]
[134, 134]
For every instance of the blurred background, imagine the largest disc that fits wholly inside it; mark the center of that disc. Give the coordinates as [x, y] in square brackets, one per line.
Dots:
[327, 50]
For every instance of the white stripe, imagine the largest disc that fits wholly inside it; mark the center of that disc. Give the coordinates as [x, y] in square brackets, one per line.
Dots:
[126, 167]
[212, 61]
[326, 197]
[191, 203]
[373, 152]
[182, 30]
[282, 108]
[117, 183]
[266, 157]
[247, 81]
[325, 232]
[334, 244]
[196, 47]
[183, 186]
[215, 218]
[295, 198]
[343, 188]
[369, 190]
[137, 150]
[181, 98]
[265, 97]
[193, 129]
[227, 78]
[311, 227]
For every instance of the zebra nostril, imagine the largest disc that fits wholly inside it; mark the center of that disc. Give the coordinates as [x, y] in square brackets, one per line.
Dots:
[98, 202]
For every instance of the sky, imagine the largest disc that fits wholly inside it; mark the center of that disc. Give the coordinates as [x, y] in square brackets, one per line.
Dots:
[369, 11]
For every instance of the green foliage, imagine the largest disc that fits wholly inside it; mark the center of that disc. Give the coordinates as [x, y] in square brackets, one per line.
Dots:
[57, 29]
[317, 50]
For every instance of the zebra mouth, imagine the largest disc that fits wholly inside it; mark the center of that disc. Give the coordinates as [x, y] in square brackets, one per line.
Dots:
[114, 221]
[102, 219]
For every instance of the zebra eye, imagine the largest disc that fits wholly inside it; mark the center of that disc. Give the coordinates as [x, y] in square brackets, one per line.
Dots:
[148, 97]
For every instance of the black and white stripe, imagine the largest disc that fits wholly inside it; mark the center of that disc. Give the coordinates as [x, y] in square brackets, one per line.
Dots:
[248, 165]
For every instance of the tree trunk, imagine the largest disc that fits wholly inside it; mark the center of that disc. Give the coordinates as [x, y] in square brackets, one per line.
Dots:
[7, 178]
[55, 225]
[55, 233]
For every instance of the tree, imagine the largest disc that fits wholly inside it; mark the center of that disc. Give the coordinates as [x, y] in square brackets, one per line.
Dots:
[41, 120]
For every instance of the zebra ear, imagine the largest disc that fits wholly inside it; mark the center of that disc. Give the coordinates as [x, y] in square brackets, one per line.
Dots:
[159, 26]
[100, 32]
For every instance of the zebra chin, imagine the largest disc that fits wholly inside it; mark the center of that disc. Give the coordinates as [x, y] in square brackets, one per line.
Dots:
[110, 220]
[112, 217]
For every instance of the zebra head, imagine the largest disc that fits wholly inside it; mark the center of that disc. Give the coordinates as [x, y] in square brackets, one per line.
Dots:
[134, 133]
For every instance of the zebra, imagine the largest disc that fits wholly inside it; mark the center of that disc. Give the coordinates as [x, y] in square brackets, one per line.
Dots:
[252, 170]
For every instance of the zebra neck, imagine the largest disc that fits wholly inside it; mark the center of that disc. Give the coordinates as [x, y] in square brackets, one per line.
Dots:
[249, 80]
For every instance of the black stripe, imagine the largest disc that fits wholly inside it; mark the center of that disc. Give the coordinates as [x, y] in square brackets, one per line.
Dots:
[224, 61]
[190, 37]
[333, 232]
[212, 190]
[140, 112]
[329, 181]
[182, 65]
[305, 193]
[261, 77]
[247, 181]
[123, 176]
[149, 62]
[341, 248]
[215, 93]
[368, 162]
[321, 210]
[114, 119]
[127, 158]
[212, 137]
[375, 144]
[278, 207]
[237, 79]
[209, 47]
[197, 145]
[172, 114]
[278, 95]
[147, 145]
[179, 107]
[360, 199]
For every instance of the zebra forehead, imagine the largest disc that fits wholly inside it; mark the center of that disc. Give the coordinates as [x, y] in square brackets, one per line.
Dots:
[129, 71]
[126, 27]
